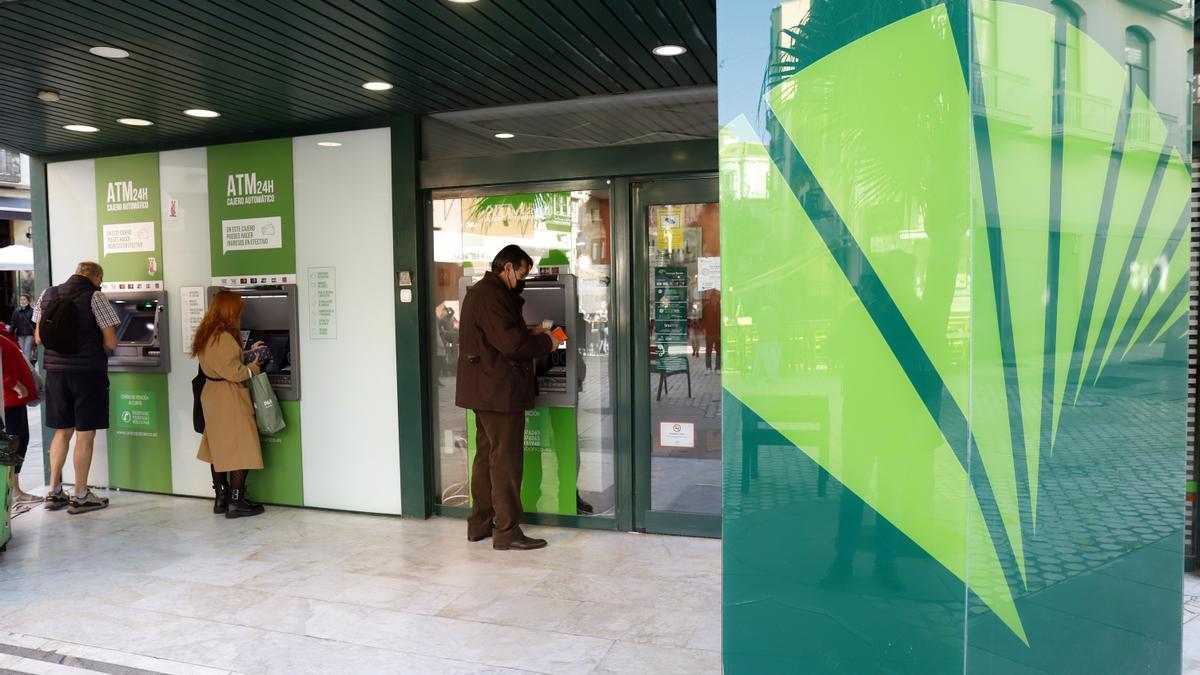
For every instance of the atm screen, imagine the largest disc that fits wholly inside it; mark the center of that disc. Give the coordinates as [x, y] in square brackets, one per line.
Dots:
[543, 303]
[137, 328]
[280, 345]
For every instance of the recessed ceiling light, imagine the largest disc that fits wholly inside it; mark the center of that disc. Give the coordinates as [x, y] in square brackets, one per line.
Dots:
[109, 52]
[135, 122]
[329, 144]
[200, 112]
[81, 128]
[504, 134]
[463, 2]
[668, 50]
[377, 86]
[48, 96]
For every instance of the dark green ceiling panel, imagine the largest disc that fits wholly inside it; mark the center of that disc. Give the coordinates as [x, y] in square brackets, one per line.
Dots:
[283, 66]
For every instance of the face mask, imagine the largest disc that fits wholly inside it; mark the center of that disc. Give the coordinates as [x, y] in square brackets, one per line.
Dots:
[520, 287]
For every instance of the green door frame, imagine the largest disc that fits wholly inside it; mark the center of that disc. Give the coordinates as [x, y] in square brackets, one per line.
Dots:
[698, 188]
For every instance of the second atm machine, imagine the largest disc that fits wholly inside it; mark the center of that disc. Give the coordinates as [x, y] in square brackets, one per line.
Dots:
[271, 317]
[142, 336]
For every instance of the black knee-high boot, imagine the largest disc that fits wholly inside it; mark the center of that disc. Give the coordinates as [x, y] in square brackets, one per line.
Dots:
[239, 507]
[221, 489]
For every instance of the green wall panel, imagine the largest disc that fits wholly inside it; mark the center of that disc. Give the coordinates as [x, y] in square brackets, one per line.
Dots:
[139, 436]
[955, 244]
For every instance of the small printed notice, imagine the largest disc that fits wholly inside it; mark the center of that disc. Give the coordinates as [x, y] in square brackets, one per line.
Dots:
[134, 413]
[193, 303]
[322, 303]
[251, 234]
[128, 238]
[677, 434]
[670, 228]
[709, 271]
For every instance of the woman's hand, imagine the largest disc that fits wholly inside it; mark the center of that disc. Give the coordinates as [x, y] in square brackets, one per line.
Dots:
[22, 392]
[258, 344]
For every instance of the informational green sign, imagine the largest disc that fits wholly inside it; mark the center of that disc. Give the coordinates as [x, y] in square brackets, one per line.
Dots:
[670, 317]
[550, 476]
[139, 434]
[251, 210]
[128, 217]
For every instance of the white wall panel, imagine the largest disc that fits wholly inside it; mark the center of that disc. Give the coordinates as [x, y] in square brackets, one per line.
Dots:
[74, 238]
[183, 176]
[348, 398]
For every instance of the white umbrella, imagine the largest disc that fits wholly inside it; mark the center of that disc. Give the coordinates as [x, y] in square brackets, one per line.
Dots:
[16, 258]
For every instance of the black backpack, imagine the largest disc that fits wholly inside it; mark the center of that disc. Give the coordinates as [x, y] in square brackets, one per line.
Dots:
[59, 325]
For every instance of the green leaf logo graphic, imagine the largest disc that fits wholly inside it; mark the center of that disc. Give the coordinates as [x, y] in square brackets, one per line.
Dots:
[988, 250]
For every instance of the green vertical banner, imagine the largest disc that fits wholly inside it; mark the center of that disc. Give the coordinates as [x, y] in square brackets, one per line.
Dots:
[129, 224]
[252, 226]
[548, 482]
[129, 218]
[252, 212]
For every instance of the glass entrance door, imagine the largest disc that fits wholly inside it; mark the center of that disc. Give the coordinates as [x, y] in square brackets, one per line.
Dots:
[676, 302]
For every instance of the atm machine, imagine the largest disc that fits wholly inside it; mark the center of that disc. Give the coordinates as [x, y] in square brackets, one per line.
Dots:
[142, 336]
[271, 316]
[553, 297]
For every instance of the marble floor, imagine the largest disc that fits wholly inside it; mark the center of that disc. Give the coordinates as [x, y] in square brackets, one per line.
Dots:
[159, 585]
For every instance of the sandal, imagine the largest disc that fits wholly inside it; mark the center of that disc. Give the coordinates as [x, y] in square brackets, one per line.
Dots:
[29, 499]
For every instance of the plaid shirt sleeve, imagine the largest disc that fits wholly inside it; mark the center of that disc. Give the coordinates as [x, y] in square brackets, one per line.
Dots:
[37, 310]
[102, 309]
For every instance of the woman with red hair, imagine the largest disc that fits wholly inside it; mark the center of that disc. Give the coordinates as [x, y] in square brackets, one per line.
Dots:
[230, 443]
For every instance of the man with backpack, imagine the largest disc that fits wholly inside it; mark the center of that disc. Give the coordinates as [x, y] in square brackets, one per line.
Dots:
[78, 327]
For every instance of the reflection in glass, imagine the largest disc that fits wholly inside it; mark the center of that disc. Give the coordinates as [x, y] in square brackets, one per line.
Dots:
[685, 357]
[565, 232]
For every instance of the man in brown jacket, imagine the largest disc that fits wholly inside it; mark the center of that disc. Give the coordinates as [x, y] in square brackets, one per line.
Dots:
[496, 380]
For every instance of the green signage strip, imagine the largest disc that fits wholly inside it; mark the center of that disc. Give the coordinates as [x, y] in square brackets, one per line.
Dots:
[549, 479]
[252, 212]
[129, 223]
[252, 226]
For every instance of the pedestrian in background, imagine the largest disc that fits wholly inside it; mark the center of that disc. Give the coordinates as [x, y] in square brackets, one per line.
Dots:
[21, 325]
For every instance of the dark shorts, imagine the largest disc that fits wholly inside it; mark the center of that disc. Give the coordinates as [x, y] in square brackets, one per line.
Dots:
[77, 401]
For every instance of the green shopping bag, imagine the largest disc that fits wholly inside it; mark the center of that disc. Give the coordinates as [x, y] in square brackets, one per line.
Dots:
[266, 406]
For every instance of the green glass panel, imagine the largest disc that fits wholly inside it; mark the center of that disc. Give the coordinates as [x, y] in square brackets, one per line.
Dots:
[1143, 144]
[1018, 95]
[1092, 104]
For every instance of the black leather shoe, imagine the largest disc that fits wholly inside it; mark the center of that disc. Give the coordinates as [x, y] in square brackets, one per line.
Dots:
[478, 537]
[581, 507]
[221, 504]
[240, 508]
[521, 544]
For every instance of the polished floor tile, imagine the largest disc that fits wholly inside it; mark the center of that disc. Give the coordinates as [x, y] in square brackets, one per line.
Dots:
[158, 584]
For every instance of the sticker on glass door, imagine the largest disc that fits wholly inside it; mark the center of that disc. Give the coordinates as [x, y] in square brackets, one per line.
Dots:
[677, 434]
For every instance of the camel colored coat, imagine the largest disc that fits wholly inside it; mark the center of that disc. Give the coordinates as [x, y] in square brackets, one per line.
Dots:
[230, 441]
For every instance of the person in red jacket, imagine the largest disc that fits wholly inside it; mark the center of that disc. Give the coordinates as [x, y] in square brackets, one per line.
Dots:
[20, 389]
